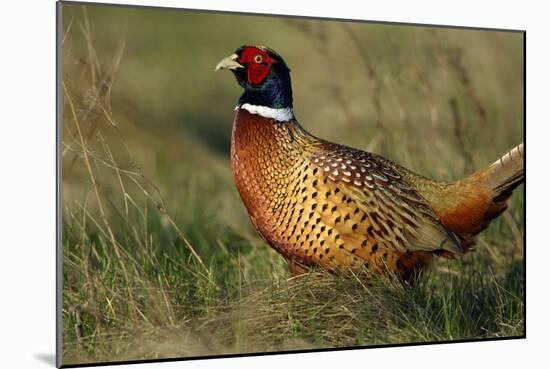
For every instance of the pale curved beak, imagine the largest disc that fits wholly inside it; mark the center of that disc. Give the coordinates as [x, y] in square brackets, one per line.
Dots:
[229, 63]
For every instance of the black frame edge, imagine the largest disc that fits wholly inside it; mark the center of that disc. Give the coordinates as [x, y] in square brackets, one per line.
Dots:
[306, 17]
[525, 184]
[290, 352]
[58, 230]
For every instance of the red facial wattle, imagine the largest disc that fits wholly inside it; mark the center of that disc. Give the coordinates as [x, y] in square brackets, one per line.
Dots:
[259, 63]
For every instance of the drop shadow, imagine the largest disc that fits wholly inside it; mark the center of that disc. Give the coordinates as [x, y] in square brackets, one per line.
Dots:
[47, 358]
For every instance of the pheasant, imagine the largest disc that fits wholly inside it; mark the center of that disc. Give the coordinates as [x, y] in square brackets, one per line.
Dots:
[322, 204]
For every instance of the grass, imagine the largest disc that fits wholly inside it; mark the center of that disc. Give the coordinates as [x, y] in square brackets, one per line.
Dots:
[159, 258]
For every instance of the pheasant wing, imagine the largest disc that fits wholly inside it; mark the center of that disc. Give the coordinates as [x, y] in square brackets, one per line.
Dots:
[400, 218]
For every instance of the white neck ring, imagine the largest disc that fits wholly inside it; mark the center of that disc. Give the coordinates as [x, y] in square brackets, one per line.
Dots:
[280, 115]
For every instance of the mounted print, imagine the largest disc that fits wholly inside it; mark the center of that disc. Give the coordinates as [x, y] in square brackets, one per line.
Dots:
[239, 184]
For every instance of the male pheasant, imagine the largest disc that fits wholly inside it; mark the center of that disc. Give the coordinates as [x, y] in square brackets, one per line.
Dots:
[323, 204]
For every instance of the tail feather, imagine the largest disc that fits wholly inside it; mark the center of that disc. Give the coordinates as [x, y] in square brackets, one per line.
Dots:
[505, 174]
[466, 207]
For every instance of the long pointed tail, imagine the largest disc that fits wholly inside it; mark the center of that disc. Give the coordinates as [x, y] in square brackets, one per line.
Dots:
[505, 174]
[467, 206]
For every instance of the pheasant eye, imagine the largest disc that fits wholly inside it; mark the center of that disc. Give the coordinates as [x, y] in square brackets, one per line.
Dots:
[258, 59]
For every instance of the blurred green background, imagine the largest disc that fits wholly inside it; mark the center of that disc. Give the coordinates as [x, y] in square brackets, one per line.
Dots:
[154, 121]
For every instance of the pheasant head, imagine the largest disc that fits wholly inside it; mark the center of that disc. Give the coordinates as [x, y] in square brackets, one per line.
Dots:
[264, 76]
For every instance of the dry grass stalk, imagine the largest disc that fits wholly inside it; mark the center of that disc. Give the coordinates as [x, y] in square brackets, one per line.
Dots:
[95, 186]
